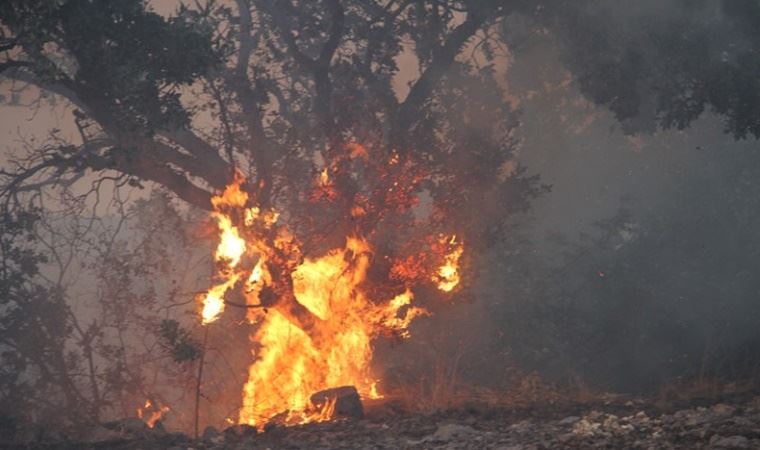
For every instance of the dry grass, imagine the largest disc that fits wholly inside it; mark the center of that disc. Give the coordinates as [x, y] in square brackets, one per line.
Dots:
[443, 391]
[706, 388]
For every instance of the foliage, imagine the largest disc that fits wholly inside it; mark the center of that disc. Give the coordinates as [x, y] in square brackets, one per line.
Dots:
[179, 342]
[73, 356]
[645, 299]
[134, 59]
[33, 324]
[666, 63]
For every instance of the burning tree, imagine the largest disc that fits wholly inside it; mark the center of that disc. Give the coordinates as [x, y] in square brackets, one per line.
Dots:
[340, 194]
[355, 155]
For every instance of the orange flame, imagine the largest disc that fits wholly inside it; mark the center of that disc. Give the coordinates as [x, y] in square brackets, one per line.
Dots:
[233, 194]
[231, 245]
[447, 276]
[324, 177]
[327, 411]
[293, 360]
[293, 364]
[213, 303]
[150, 413]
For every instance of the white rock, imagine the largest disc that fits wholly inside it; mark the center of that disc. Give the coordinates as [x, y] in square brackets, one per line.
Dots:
[729, 441]
[569, 420]
[447, 432]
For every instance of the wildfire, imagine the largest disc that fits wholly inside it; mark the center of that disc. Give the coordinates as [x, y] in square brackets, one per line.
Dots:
[230, 249]
[324, 177]
[293, 364]
[151, 413]
[213, 304]
[317, 330]
[447, 276]
[391, 320]
[231, 245]
[325, 187]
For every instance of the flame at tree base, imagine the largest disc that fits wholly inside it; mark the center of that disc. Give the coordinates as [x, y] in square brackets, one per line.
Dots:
[293, 361]
[293, 364]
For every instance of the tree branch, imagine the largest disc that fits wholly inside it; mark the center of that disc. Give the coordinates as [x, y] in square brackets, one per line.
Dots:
[320, 67]
[239, 80]
[442, 59]
[12, 64]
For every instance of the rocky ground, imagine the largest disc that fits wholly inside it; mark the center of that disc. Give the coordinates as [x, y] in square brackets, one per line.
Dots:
[724, 424]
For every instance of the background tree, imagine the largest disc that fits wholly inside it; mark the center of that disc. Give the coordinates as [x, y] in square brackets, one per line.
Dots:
[654, 295]
[100, 325]
[33, 328]
[664, 64]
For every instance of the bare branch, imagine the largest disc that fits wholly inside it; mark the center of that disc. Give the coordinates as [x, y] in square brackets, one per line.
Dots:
[320, 67]
[12, 64]
[443, 58]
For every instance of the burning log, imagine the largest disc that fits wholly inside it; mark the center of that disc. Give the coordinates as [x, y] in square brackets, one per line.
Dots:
[341, 401]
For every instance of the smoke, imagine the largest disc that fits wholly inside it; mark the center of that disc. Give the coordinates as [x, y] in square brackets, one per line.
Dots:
[637, 269]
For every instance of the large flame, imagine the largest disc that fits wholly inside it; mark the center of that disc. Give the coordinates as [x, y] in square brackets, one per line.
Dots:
[293, 360]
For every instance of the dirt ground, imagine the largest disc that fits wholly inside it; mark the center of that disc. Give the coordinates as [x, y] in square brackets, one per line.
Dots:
[727, 423]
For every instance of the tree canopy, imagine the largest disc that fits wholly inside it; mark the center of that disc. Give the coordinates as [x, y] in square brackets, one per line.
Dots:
[666, 63]
[284, 80]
